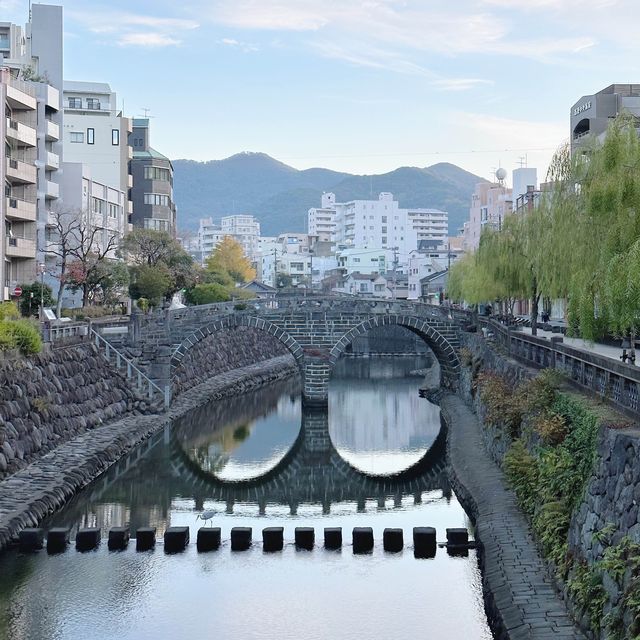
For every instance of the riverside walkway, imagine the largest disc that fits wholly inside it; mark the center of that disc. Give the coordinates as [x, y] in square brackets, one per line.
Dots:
[521, 598]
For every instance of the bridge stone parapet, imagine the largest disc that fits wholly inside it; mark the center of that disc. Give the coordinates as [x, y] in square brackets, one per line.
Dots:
[315, 330]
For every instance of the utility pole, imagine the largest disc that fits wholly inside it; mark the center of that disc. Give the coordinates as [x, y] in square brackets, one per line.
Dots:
[395, 266]
[275, 268]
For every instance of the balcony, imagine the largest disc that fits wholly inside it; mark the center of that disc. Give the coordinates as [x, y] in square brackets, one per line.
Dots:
[19, 172]
[21, 133]
[17, 209]
[51, 190]
[52, 161]
[52, 98]
[52, 131]
[20, 248]
[20, 96]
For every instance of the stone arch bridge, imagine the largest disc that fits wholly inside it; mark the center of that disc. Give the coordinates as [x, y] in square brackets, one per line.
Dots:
[315, 330]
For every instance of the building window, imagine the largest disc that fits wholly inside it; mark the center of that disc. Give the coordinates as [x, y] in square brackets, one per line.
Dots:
[158, 225]
[156, 199]
[91, 136]
[93, 103]
[379, 287]
[384, 240]
[97, 205]
[157, 173]
[115, 137]
[77, 136]
[75, 103]
[113, 210]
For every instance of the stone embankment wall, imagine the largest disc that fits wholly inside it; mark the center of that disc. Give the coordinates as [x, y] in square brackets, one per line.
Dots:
[608, 514]
[53, 397]
[32, 494]
[224, 351]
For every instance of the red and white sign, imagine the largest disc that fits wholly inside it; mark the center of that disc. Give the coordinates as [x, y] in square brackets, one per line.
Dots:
[17, 292]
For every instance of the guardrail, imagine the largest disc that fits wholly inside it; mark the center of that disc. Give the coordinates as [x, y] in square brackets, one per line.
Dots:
[614, 381]
[144, 383]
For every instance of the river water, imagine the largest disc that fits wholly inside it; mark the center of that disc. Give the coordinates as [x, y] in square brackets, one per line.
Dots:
[375, 458]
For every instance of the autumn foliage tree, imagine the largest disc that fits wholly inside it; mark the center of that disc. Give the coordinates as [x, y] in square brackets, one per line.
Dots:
[228, 258]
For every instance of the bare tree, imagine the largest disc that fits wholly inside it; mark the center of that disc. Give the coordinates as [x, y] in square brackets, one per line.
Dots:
[64, 227]
[95, 245]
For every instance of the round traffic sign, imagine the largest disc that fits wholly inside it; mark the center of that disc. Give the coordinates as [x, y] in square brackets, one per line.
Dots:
[17, 292]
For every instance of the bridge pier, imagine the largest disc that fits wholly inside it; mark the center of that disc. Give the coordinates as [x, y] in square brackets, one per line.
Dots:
[316, 375]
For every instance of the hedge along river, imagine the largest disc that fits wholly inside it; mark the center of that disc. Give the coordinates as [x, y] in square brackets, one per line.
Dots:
[375, 458]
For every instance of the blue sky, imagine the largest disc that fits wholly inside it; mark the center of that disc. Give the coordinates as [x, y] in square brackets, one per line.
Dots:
[357, 85]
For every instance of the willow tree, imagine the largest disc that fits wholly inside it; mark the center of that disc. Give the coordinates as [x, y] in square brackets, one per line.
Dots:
[469, 281]
[596, 216]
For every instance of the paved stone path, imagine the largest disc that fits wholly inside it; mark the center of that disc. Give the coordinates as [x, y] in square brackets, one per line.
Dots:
[43, 487]
[520, 596]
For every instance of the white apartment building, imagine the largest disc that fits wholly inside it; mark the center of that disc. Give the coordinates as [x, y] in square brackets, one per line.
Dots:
[366, 261]
[366, 285]
[366, 224]
[322, 221]
[101, 206]
[18, 107]
[209, 236]
[97, 135]
[245, 229]
[420, 265]
[32, 59]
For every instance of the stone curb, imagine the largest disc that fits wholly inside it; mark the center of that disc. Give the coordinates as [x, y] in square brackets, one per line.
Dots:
[47, 484]
[520, 598]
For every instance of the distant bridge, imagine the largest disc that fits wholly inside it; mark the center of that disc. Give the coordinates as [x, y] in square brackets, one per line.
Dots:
[315, 330]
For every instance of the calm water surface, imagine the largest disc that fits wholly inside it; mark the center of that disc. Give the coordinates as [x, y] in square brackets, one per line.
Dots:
[376, 458]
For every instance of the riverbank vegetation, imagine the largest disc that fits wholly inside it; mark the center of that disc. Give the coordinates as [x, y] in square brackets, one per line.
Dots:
[18, 333]
[580, 242]
[554, 435]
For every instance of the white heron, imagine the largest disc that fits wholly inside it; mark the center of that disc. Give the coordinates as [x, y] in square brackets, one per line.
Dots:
[206, 516]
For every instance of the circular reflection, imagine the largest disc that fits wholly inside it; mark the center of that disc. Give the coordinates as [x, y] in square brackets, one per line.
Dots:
[377, 421]
[246, 448]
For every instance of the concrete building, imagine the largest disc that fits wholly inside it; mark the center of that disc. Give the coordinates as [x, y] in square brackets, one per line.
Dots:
[34, 55]
[97, 134]
[591, 114]
[245, 229]
[18, 109]
[322, 221]
[209, 236]
[152, 191]
[490, 203]
[366, 224]
[369, 285]
[364, 261]
[525, 179]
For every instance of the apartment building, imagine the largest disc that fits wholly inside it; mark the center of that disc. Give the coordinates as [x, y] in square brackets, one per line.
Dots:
[152, 192]
[96, 134]
[381, 223]
[32, 62]
[322, 221]
[209, 236]
[245, 229]
[18, 115]
[491, 202]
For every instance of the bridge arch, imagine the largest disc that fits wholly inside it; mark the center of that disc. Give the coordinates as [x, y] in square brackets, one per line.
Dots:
[230, 322]
[439, 344]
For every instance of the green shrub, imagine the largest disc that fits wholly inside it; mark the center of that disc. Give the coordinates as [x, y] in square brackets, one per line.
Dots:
[21, 335]
[207, 294]
[551, 427]
[9, 311]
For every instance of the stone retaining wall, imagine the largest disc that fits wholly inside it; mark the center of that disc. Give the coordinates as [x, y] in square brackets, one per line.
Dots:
[30, 495]
[225, 350]
[53, 397]
[611, 500]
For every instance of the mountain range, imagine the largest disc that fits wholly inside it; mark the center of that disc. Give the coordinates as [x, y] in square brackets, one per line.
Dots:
[280, 196]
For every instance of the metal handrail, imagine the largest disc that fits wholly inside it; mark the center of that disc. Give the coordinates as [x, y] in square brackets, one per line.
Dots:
[132, 369]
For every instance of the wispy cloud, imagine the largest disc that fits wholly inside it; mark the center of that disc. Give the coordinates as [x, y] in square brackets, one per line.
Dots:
[461, 84]
[134, 29]
[245, 47]
[147, 39]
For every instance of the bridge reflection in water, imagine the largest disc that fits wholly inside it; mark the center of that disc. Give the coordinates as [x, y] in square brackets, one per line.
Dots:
[263, 452]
